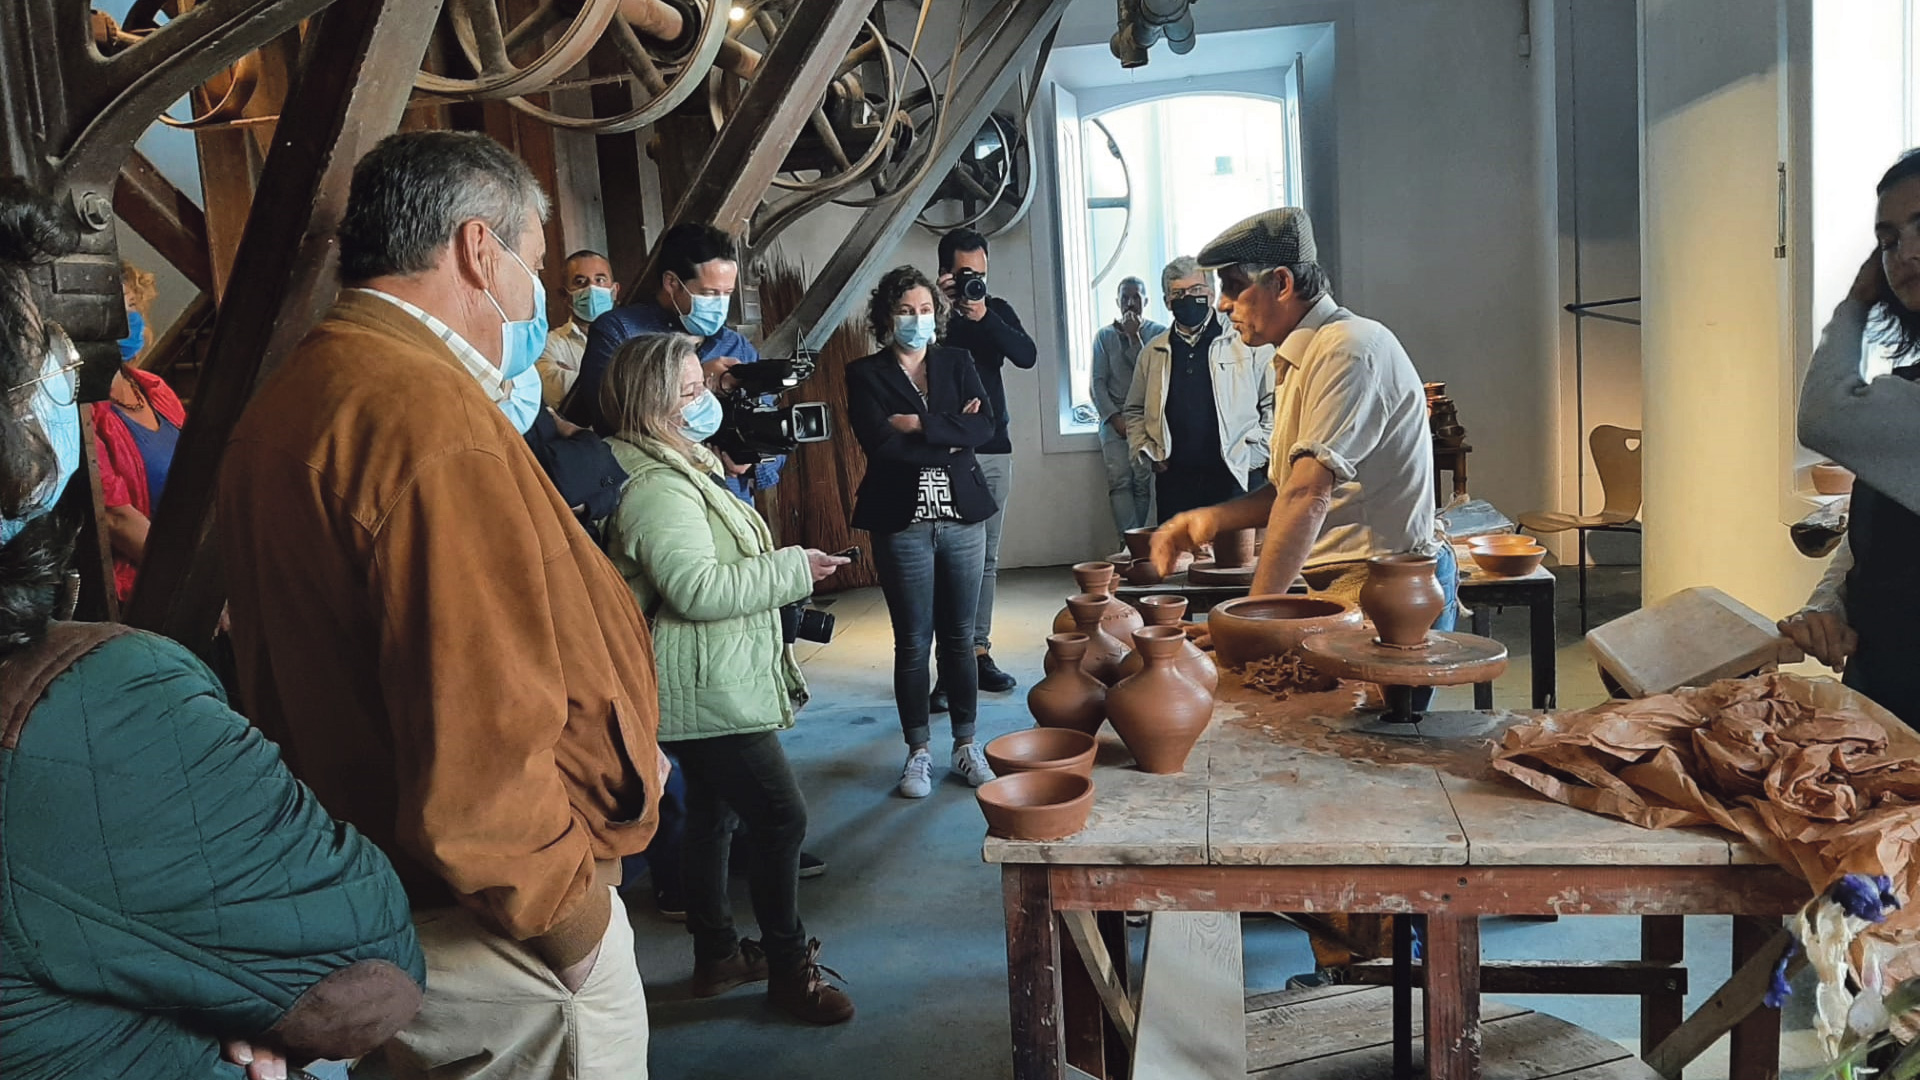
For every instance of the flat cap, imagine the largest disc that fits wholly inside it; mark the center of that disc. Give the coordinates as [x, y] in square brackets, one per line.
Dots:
[1278, 237]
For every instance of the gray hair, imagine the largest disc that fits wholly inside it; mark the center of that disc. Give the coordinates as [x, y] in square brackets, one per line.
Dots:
[1310, 279]
[413, 190]
[1184, 266]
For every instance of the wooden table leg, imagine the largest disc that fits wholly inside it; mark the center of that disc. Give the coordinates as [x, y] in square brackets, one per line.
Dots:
[1113, 931]
[1662, 941]
[1033, 972]
[1450, 958]
[1756, 1039]
[1403, 997]
[1542, 642]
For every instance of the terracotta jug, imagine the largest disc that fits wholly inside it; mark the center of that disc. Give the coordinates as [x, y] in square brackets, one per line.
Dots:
[1160, 713]
[1233, 548]
[1068, 697]
[1104, 651]
[1098, 577]
[1140, 541]
[1194, 661]
[1403, 598]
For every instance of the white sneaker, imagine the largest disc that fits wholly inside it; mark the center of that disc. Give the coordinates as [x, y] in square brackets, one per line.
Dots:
[916, 780]
[1121, 556]
[971, 764]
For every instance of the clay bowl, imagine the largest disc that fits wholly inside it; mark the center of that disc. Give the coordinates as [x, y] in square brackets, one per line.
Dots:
[1257, 627]
[1509, 561]
[1041, 749]
[1501, 542]
[1831, 479]
[1142, 572]
[1140, 541]
[1045, 805]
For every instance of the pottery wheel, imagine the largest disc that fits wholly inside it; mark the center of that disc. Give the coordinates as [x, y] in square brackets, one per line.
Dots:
[1206, 572]
[1447, 659]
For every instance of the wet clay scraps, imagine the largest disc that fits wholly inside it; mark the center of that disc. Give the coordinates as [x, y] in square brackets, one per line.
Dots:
[1285, 674]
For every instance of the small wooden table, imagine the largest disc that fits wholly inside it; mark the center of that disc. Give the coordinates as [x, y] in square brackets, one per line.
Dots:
[1286, 806]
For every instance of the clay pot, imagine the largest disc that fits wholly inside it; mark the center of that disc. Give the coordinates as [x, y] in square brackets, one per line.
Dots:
[1041, 749]
[1831, 479]
[1509, 560]
[1046, 805]
[1140, 541]
[1104, 651]
[1068, 697]
[1233, 548]
[1402, 597]
[1142, 572]
[1194, 661]
[1258, 627]
[1160, 713]
[1097, 577]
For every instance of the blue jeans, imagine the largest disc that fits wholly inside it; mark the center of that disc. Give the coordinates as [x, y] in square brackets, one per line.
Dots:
[1447, 569]
[998, 470]
[1129, 482]
[930, 574]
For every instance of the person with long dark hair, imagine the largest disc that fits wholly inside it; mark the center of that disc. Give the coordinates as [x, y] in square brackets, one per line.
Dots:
[919, 410]
[1862, 618]
[173, 896]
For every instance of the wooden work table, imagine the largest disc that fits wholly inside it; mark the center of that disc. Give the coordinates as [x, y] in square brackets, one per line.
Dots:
[1293, 806]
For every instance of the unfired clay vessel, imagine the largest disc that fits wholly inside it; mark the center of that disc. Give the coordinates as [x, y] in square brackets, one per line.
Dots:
[1068, 697]
[1045, 805]
[1140, 541]
[1194, 661]
[1233, 548]
[1142, 572]
[1104, 651]
[1403, 598]
[1038, 749]
[1160, 713]
[1258, 627]
[1098, 577]
[1831, 479]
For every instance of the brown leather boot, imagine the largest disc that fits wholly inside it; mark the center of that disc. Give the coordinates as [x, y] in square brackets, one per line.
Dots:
[802, 991]
[748, 964]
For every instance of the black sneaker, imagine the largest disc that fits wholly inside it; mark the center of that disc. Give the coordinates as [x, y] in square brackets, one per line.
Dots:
[672, 906]
[937, 701]
[992, 679]
[812, 865]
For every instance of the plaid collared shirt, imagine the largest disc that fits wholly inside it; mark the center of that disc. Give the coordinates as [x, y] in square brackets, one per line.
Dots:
[482, 369]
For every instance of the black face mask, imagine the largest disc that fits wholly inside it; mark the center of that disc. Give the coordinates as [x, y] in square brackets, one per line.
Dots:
[1190, 311]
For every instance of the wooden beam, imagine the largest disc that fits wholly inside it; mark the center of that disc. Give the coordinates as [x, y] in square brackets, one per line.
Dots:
[781, 99]
[1451, 955]
[1738, 997]
[1033, 972]
[349, 94]
[227, 163]
[1626, 978]
[1084, 930]
[1193, 1017]
[164, 217]
[990, 70]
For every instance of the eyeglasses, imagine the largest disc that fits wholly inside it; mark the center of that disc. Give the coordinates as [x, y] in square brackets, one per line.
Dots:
[63, 346]
[1196, 292]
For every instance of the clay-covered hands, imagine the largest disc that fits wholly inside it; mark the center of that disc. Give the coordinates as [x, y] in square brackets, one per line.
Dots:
[1182, 532]
[822, 565]
[1822, 635]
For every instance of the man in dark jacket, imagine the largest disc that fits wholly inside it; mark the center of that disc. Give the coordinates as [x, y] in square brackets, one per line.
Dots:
[987, 328]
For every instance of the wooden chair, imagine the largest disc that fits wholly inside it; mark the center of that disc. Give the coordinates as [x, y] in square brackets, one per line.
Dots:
[1616, 457]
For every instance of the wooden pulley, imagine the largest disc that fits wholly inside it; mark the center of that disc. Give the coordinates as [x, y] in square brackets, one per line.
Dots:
[489, 46]
[668, 48]
[229, 91]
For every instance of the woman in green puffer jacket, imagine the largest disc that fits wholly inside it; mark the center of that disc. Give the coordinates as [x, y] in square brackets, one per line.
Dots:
[703, 567]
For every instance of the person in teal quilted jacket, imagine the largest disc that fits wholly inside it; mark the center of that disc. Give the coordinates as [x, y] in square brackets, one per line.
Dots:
[173, 903]
[702, 565]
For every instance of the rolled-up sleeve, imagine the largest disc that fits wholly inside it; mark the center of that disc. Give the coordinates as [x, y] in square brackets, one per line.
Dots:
[1343, 417]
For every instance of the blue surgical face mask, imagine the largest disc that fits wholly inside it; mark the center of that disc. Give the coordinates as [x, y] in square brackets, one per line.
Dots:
[913, 332]
[706, 315]
[700, 418]
[521, 341]
[522, 403]
[136, 338]
[53, 409]
[591, 302]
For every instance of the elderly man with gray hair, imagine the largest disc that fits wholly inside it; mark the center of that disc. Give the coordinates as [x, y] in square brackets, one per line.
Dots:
[428, 633]
[1200, 408]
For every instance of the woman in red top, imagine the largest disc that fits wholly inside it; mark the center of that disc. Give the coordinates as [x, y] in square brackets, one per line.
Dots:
[135, 432]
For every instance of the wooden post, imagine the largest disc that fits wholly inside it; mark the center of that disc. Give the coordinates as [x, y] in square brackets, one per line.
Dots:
[1756, 1038]
[1451, 959]
[1033, 972]
[165, 218]
[348, 96]
[1662, 941]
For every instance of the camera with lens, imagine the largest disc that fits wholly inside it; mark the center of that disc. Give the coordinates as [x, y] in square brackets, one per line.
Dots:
[969, 285]
[801, 621]
[753, 425]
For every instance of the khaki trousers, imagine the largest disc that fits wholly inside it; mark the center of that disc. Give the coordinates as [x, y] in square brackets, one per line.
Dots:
[495, 1011]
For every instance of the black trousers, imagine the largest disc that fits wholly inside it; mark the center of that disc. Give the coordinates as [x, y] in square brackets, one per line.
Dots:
[1186, 486]
[745, 776]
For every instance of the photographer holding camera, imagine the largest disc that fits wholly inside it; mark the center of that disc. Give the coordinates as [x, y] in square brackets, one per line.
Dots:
[987, 328]
[703, 567]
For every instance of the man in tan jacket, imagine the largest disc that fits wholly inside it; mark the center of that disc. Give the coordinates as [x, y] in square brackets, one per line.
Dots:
[441, 652]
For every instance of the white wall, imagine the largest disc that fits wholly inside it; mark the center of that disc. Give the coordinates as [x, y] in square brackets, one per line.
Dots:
[1438, 208]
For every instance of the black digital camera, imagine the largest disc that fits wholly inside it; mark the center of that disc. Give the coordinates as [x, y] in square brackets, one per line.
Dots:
[969, 285]
[801, 621]
[753, 425]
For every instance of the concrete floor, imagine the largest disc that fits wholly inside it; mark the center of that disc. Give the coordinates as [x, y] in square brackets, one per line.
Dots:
[910, 914]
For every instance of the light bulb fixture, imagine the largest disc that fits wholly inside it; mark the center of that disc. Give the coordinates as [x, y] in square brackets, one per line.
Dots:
[737, 14]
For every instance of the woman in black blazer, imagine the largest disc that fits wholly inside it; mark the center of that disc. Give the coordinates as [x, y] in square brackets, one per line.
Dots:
[919, 410]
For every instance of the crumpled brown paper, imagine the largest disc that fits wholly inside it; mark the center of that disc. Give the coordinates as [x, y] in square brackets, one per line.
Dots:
[1819, 779]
